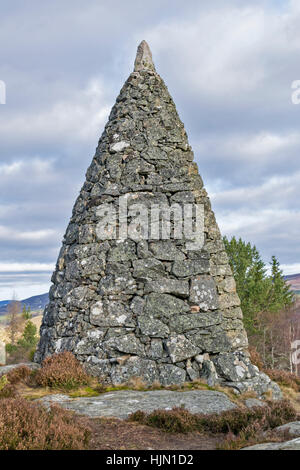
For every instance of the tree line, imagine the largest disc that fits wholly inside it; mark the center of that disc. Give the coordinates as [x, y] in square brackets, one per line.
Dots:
[271, 311]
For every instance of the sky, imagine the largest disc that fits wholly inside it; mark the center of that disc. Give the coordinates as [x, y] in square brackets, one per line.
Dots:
[229, 67]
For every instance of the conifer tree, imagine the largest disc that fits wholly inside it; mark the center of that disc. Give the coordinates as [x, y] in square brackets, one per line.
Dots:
[259, 292]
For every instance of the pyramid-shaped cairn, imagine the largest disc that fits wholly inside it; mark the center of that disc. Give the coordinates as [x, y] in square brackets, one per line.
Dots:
[133, 302]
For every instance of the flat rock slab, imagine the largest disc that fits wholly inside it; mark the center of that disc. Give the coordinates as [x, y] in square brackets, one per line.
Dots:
[293, 428]
[121, 404]
[294, 444]
[5, 369]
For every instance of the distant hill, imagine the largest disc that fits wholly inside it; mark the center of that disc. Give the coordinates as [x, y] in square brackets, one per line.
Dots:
[37, 302]
[294, 281]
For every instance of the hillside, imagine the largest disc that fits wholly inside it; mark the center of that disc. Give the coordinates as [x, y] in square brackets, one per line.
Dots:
[36, 303]
[4, 332]
[294, 281]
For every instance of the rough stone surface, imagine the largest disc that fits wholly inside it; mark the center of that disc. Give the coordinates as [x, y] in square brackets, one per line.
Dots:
[134, 305]
[293, 444]
[121, 404]
[261, 384]
[251, 402]
[293, 428]
[208, 372]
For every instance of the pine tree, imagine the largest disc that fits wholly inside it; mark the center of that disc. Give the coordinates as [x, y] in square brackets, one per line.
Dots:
[281, 296]
[29, 337]
[259, 292]
[26, 313]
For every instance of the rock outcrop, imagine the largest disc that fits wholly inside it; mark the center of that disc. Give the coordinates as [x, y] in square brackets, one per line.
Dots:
[132, 298]
[120, 404]
[293, 444]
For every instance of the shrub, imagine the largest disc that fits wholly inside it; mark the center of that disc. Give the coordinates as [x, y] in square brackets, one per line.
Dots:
[19, 374]
[282, 411]
[62, 370]
[8, 391]
[274, 414]
[176, 420]
[251, 435]
[256, 357]
[12, 378]
[282, 377]
[26, 426]
[235, 421]
[3, 381]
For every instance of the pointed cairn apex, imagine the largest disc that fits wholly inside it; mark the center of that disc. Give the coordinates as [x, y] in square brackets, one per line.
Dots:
[143, 60]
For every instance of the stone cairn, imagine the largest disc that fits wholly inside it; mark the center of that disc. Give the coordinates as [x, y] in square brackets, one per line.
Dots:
[143, 307]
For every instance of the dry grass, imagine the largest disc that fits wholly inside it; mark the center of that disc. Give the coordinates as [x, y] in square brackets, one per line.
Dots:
[136, 383]
[92, 391]
[34, 393]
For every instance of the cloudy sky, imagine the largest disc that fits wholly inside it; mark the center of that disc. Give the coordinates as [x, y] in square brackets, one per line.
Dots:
[229, 67]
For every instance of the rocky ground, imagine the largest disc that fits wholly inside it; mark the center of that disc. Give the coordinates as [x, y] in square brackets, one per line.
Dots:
[108, 413]
[120, 404]
[113, 433]
[116, 434]
[293, 444]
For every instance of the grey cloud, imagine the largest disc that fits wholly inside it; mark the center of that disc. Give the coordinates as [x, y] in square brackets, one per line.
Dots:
[229, 67]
